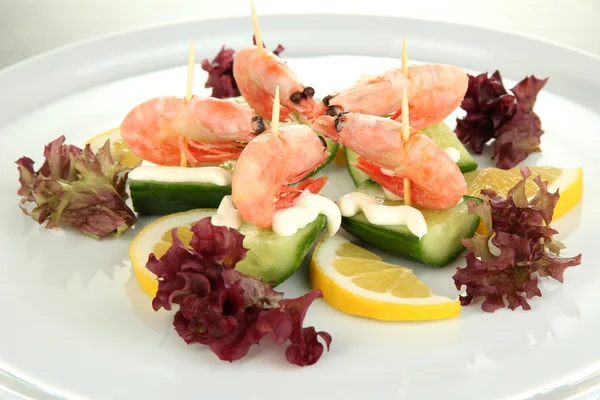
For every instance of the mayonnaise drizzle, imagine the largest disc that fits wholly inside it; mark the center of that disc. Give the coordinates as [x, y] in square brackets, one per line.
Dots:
[215, 175]
[227, 215]
[453, 153]
[307, 208]
[379, 214]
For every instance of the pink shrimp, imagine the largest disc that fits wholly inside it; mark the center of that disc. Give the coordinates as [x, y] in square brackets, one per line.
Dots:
[436, 180]
[268, 165]
[258, 73]
[433, 91]
[216, 130]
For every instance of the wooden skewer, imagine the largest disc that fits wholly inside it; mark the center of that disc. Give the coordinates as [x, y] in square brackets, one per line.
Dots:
[188, 94]
[405, 115]
[275, 114]
[404, 57]
[257, 34]
[183, 160]
[405, 136]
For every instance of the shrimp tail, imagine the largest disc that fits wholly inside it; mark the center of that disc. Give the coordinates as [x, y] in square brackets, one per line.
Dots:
[288, 195]
[394, 184]
[313, 185]
[185, 150]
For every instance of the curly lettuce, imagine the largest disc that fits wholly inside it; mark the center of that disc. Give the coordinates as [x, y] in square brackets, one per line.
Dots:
[76, 188]
[523, 248]
[225, 309]
[493, 113]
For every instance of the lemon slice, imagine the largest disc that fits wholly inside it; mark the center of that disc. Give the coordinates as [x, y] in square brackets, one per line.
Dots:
[340, 156]
[568, 181]
[156, 238]
[271, 258]
[118, 148]
[358, 282]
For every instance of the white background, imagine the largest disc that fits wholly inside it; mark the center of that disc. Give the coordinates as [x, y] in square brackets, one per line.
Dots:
[30, 27]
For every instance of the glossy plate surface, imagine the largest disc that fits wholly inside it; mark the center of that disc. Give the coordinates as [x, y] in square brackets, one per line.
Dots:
[75, 325]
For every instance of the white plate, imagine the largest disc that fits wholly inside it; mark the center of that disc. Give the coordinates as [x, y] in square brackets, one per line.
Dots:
[75, 325]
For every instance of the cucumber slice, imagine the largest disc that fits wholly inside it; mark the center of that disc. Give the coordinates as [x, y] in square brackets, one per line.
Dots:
[440, 133]
[275, 258]
[445, 137]
[162, 198]
[358, 177]
[442, 243]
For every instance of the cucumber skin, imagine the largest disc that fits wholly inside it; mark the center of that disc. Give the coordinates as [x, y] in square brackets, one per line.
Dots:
[276, 270]
[405, 245]
[162, 198]
[384, 239]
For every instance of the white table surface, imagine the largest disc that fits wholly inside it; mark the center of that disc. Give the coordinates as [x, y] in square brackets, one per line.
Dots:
[31, 27]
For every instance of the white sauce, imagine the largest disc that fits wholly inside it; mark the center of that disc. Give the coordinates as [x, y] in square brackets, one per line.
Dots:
[378, 214]
[227, 215]
[288, 221]
[215, 175]
[353, 203]
[453, 153]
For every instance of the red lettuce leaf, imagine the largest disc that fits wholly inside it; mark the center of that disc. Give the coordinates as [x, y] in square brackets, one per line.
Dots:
[76, 188]
[520, 230]
[492, 113]
[224, 308]
[220, 72]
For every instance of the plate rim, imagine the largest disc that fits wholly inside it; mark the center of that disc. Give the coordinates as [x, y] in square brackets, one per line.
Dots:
[112, 35]
[12, 385]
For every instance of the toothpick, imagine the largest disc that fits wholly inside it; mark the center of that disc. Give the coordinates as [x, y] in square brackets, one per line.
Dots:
[257, 34]
[404, 57]
[405, 136]
[405, 116]
[190, 76]
[188, 95]
[183, 160]
[275, 114]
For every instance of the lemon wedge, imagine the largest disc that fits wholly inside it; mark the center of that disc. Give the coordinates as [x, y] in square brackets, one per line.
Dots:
[568, 181]
[118, 148]
[358, 282]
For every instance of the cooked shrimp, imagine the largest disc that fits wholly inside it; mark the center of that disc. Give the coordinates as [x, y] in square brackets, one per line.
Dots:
[268, 165]
[433, 90]
[216, 130]
[257, 74]
[436, 180]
